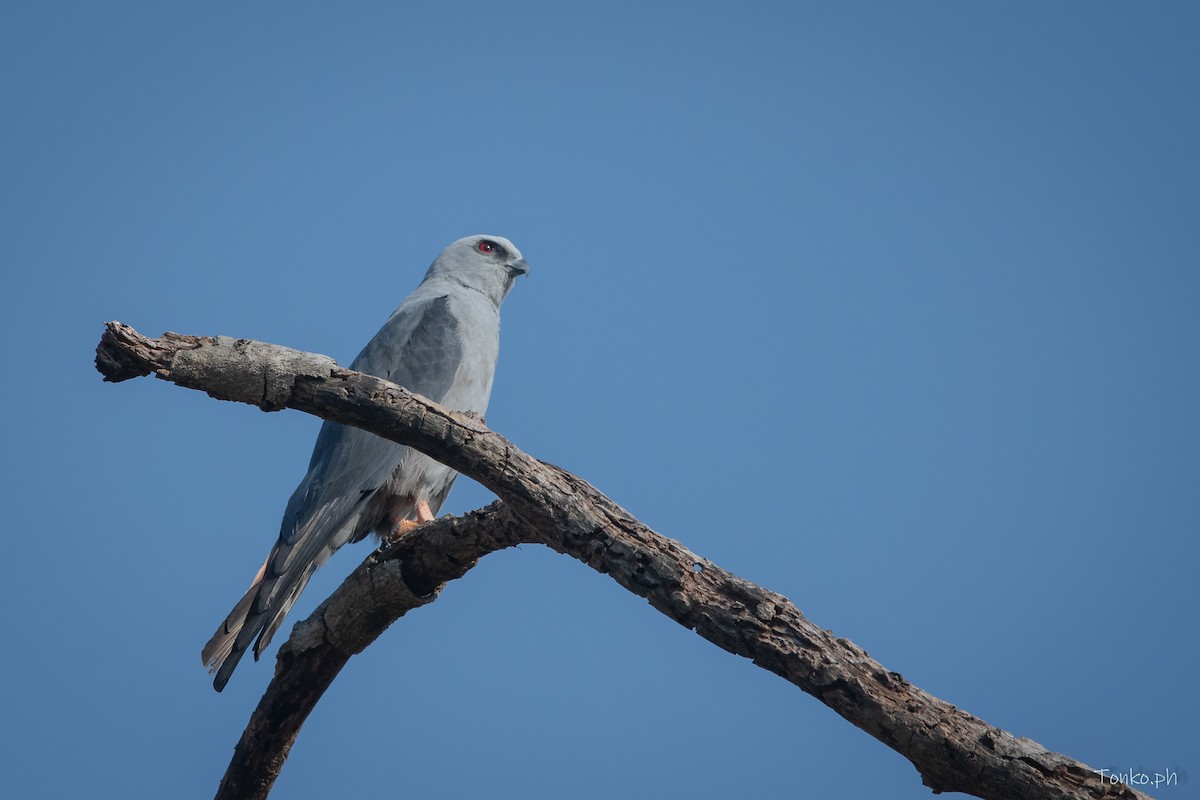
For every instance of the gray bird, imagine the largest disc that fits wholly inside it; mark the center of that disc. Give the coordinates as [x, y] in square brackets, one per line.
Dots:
[441, 342]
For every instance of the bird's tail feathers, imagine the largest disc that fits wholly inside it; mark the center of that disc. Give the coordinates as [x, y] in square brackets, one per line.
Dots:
[259, 614]
[276, 619]
[216, 654]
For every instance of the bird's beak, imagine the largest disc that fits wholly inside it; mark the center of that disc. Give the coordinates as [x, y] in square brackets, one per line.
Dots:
[518, 267]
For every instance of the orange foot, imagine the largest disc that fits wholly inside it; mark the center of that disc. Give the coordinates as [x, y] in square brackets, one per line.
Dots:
[405, 525]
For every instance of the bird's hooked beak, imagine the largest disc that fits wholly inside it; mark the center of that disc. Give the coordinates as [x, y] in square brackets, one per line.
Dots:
[518, 267]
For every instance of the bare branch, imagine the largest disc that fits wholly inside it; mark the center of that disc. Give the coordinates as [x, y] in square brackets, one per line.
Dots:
[953, 750]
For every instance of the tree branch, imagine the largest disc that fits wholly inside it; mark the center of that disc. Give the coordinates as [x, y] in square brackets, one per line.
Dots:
[952, 750]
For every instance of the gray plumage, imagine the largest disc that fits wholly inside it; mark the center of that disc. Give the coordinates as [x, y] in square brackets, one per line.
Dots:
[441, 342]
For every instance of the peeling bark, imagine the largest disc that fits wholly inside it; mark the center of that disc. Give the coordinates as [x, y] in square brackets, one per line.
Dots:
[540, 503]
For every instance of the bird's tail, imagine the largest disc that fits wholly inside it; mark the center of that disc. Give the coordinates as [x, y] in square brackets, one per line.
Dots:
[259, 614]
[220, 647]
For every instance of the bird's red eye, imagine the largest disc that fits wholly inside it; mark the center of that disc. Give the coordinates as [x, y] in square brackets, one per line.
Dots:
[485, 246]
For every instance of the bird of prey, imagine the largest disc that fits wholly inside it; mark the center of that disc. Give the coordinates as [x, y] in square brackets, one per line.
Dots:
[441, 342]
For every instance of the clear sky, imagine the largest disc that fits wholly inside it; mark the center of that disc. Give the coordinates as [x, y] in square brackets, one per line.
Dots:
[893, 308]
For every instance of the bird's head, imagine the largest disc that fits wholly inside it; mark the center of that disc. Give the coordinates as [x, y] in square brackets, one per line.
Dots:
[488, 264]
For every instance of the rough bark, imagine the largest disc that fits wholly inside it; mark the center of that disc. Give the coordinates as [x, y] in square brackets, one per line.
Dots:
[951, 749]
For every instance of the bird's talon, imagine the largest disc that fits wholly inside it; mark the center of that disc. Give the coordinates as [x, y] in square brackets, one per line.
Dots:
[399, 529]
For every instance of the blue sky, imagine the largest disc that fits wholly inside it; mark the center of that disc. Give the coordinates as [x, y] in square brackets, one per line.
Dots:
[889, 307]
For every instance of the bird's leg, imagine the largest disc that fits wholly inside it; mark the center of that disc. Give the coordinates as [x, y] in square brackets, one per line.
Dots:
[403, 526]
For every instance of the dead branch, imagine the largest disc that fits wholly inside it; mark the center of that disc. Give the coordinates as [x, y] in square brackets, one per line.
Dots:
[952, 750]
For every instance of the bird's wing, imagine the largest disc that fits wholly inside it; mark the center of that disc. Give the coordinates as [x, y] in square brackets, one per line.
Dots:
[418, 348]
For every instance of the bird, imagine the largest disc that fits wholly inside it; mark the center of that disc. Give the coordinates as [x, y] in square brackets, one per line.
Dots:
[442, 342]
